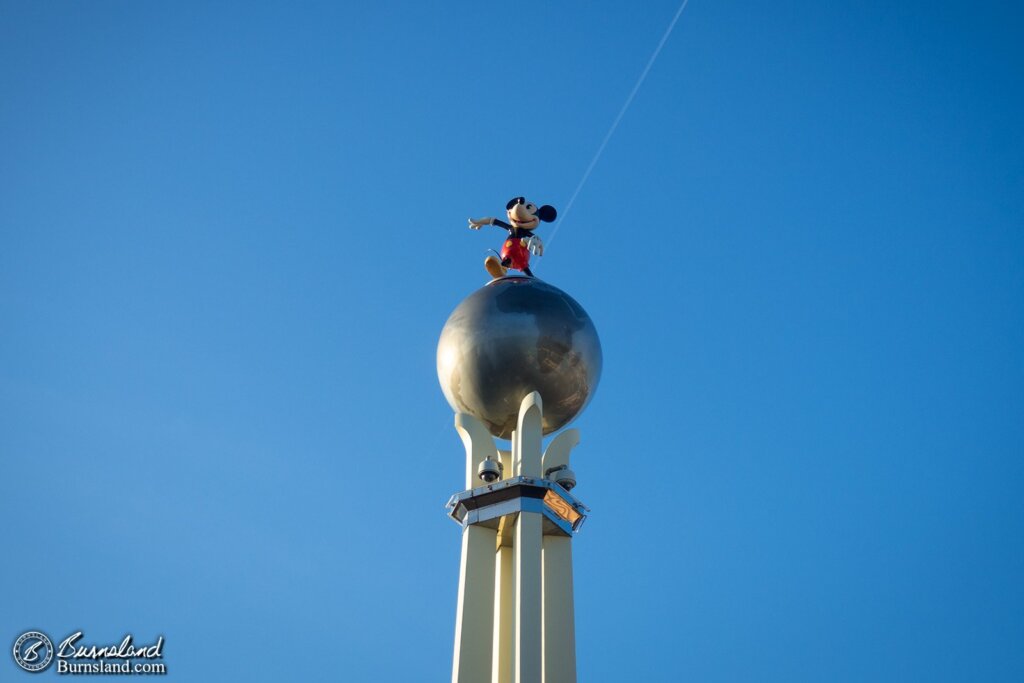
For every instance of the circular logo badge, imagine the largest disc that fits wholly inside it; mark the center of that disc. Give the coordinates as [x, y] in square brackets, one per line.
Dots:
[33, 651]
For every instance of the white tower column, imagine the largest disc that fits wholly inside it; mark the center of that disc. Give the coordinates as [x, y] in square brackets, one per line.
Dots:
[504, 650]
[559, 613]
[528, 544]
[559, 616]
[474, 621]
[515, 621]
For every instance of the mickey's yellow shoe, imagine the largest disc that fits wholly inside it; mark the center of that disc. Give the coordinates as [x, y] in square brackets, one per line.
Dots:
[494, 267]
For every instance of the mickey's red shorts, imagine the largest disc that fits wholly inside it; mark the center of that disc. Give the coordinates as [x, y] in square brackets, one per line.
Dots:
[520, 256]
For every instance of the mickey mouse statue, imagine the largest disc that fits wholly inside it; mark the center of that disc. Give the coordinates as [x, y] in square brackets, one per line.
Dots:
[515, 253]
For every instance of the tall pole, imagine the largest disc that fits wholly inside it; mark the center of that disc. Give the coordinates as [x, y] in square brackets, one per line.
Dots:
[559, 611]
[475, 611]
[515, 620]
[526, 442]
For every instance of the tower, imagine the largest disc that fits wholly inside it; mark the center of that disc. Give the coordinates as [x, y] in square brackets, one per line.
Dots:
[518, 359]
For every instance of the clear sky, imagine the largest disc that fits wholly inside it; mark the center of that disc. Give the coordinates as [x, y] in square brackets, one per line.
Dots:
[232, 232]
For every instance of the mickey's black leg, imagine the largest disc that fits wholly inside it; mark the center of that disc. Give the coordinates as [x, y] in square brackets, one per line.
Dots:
[506, 262]
[526, 269]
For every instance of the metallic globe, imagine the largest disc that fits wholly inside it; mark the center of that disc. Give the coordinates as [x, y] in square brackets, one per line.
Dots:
[513, 336]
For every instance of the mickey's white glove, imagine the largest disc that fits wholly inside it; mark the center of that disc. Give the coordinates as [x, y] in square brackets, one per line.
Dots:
[477, 223]
[535, 246]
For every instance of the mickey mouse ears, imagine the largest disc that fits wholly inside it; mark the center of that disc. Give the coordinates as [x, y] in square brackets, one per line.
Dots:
[547, 213]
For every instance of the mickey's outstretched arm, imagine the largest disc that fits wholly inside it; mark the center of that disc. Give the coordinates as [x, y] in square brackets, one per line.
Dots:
[477, 223]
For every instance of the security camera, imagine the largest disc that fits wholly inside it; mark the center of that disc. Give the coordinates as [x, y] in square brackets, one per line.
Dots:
[489, 471]
[562, 476]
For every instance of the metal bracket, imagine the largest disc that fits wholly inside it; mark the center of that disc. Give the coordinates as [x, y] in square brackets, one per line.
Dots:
[487, 505]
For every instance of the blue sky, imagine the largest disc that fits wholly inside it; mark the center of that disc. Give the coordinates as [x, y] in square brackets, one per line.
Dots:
[232, 233]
